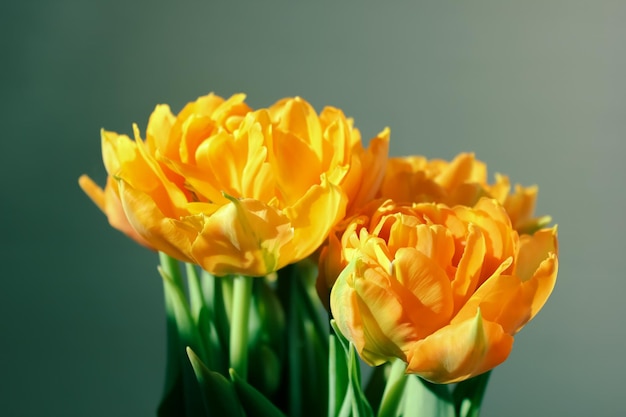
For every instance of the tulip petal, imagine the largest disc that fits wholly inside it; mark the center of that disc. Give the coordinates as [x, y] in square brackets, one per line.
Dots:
[242, 237]
[165, 234]
[469, 267]
[542, 283]
[313, 216]
[374, 163]
[500, 299]
[533, 250]
[298, 117]
[463, 169]
[460, 351]
[424, 289]
[116, 151]
[370, 314]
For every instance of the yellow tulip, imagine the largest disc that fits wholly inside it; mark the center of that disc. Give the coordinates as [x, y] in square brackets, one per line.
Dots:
[236, 190]
[415, 179]
[443, 289]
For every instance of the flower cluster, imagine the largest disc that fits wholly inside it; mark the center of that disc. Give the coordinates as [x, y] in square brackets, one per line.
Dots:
[419, 260]
[236, 190]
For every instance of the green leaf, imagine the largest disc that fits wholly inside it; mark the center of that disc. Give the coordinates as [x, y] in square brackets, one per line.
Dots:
[310, 303]
[182, 332]
[375, 386]
[358, 404]
[423, 398]
[393, 394]
[254, 403]
[266, 372]
[219, 396]
[214, 299]
[337, 376]
[173, 398]
[201, 315]
[314, 370]
[468, 395]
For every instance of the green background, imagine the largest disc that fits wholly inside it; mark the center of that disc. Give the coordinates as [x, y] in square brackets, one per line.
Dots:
[535, 88]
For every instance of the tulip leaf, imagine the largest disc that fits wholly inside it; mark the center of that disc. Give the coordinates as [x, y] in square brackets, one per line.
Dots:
[253, 402]
[337, 376]
[182, 393]
[375, 386]
[359, 405]
[391, 401]
[423, 398]
[266, 329]
[172, 401]
[214, 299]
[202, 317]
[315, 371]
[311, 303]
[468, 395]
[218, 394]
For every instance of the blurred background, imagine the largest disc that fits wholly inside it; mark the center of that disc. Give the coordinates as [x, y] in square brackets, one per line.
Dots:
[536, 89]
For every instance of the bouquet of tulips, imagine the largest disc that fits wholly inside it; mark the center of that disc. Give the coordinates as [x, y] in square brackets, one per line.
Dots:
[307, 275]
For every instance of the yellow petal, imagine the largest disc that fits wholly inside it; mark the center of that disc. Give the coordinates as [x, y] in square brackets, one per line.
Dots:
[367, 171]
[540, 286]
[370, 313]
[243, 237]
[164, 234]
[158, 132]
[117, 150]
[424, 290]
[460, 351]
[312, 218]
[469, 268]
[298, 117]
[463, 169]
[109, 202]
[533, 250]
[501, 300]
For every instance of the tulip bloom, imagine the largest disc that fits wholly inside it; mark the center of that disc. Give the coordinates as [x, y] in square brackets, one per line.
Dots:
[236, 190]
[415, 179]
[443, 289]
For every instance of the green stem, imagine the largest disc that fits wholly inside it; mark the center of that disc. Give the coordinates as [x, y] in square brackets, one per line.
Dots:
[294, 349]
[468, 395]
[392, 395]
[171, 267]
[242, 297]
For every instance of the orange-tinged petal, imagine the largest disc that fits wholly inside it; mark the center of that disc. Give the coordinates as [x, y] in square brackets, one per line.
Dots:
[460, 351]
[367, 172]
[376, 308]
[196, 130]
[542, 283]
[469, 267]
[533, 250]
[165, 234]
[244, 236]
[109, 202]
[464, 168]
[93, 191]
[425, 290]
[331, 264]
[502, 300]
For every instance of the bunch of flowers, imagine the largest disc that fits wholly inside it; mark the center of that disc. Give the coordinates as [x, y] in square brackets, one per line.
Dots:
[303, 250]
